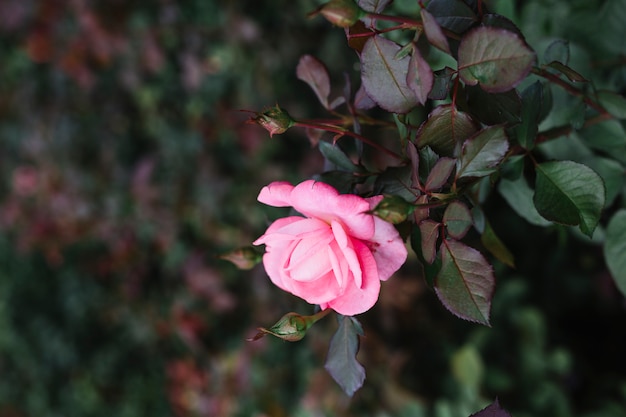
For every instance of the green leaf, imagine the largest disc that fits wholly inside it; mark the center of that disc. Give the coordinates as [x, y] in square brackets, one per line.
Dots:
[465, 283]
[496, 59]
[532, 101]
[445, 129]
[608, 137]
[519, 195]
[611, 172]
[467, 367]
[614, 103]
[557, 51]
[495, 246]
[441, 83]
[494, 108]
[482, 153]
[395, 181]
[384, 76]
[458, 219]
[453, 15]
[568, 72]
[615, 249]
[341, 362]
[334, 154]
[569, 193]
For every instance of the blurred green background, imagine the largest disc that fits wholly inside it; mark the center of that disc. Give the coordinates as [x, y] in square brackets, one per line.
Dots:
[127, 168]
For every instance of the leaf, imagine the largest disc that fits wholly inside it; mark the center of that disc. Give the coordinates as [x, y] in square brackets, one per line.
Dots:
[374, 6]
[494, 108]
[614, 103]
[496, 59]
[440, 173]
[608, 137]
[458, 219]
[569, 193]
[482, 153]
[501, 22]
[430, 270]
[467, 367]
[341, 361]
[492, 410]
[433, 32]
[334, 154]
[568, 72]
[557, 51]
[615, 249]
[611, 172]
[429, 230]
[384, 77]
[395, 181]
[445, 129]
[532, 101]
[362, 101]
[519, 195]
[465, 283]
[441, 83]
[495, 246]
[314, 73]
[453, 15]
[419, 77]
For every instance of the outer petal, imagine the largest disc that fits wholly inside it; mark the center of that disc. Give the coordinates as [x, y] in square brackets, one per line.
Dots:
[387, 246]
[356, 300]
[320, 200]
[320, 291]
[277, 194]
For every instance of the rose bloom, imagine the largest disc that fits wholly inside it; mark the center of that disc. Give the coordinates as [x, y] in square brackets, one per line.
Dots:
[337, 254]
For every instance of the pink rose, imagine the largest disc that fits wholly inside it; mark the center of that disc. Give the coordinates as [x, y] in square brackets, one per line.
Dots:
[337, 255]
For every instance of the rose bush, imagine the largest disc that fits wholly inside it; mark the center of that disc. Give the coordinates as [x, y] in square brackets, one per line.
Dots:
[337, 255]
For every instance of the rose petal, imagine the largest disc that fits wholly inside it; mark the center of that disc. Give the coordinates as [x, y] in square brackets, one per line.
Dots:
[345, 245]
[386, 245]
[276, 194]
[320, 291]
[356, 300]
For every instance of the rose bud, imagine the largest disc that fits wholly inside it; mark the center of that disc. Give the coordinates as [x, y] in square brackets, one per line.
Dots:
[342, 13]
[275, 120]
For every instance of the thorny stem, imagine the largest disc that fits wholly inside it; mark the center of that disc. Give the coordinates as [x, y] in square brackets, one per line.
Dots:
[410, 23]
[342, 131]
[567, 87]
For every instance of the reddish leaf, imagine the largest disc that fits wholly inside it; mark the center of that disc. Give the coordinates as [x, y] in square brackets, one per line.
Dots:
[314, 73]
[445, 129]
[458, 219]
[419, 77]
[421, 213]
[482, 153]
[496, 59]
[465, 283]
[429, 229]
[362, 101]
[433, 32]
[384, 76]
[440, 173]
[492, 410]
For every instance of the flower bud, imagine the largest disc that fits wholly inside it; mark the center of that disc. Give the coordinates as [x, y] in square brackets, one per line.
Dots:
[291, 327]
[275, 120]
[393, 209]
[342, 13]
[243, 258]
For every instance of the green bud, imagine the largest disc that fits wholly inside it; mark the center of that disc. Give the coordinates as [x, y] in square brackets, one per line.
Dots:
[275, 120]
[342, 13]
[243, 258]
[393, 209]
[291, 327]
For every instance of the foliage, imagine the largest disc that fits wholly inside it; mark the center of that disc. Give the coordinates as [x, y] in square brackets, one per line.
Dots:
[127, 168]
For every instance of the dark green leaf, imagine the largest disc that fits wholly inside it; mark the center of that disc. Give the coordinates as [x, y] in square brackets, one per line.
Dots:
[440, 173]
[337, 156]
[496, 59]
[482, 153]
[608, 137]
[501, 22]
[458, 219]
[395, 181]
[611, 172]
[465, 283]
[615, 249]
[569, 193]
[341, 362]
[441, 84]
[557, 51]
[495, 246]
[494, 108]
[384, 76]
[453, 15]
[613, 103]
[445, 129]
[513, 167]
[532, 102]
[568, 72]
[519, 195]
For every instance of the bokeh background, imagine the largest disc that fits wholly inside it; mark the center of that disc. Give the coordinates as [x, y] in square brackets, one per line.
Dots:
[126, 168]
